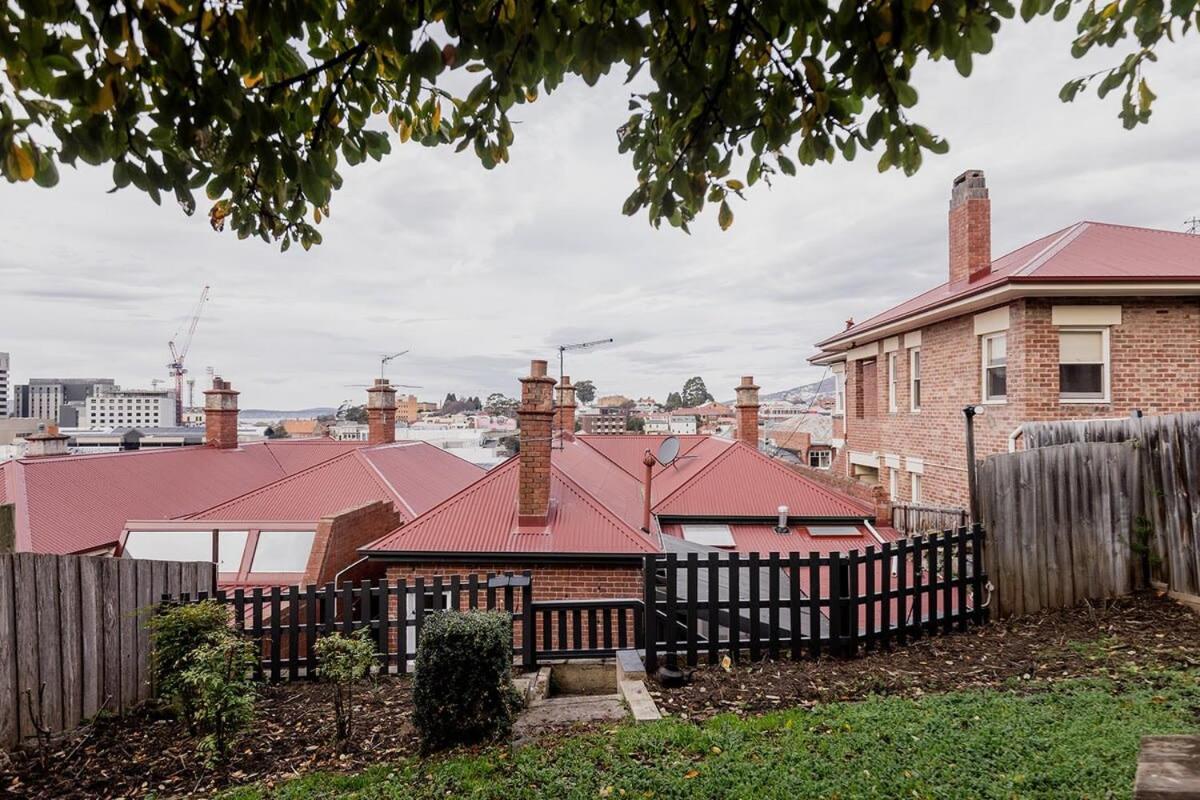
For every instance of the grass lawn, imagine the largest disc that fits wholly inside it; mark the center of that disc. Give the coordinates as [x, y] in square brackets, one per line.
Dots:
[1069, 739]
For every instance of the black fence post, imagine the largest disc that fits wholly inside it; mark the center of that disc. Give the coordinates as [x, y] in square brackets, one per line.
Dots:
[527, 623]
[649, 598]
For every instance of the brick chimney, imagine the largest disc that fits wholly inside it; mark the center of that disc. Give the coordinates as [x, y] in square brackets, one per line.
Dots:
[535, 415]
[883, 505]
[221, 415]
[747, 412]
[381, 412]
[970, 227]
[48, 441]
[564, 413]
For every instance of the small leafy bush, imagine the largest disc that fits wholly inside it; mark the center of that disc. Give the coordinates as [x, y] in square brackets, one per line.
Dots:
[342, 662]
[219, 677]
[178, 633]
[462, 687]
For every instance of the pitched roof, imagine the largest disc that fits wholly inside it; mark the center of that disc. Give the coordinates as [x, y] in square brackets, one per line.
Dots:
[789, 434]
[71, 504]
[1086, 252]
[483, 519]
[414, 476]
[596, 493]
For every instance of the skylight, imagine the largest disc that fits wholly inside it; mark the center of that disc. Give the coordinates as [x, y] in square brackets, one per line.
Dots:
[709, 535]
[188, 546]
[282, 551]
[834, 530]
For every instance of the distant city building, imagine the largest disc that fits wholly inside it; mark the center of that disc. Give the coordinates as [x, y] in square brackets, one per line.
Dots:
[193, 416]
[303, 428]
[777, 411]
[408, 408]
[5, 398]
[610, 421]
[674, 424]
[112, 406]
[60, 399]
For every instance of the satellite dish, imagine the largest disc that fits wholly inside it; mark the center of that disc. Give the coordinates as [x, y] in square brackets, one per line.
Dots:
[668, 451]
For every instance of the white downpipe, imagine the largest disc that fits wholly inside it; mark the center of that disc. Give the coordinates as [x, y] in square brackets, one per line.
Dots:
[874, 532]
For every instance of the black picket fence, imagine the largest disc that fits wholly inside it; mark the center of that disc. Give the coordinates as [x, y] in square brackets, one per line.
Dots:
[707, 604]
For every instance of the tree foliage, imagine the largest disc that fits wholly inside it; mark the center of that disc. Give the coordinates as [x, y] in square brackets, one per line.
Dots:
[261, 105]
[585, 391]
[343, 661]
[674, 401]
[694, 393]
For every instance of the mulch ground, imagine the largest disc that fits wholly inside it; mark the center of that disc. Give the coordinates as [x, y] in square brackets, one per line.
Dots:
[1101, 640]
[148, 754]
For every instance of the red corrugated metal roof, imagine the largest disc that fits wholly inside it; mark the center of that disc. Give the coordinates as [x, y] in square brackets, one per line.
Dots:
[483, 519]
[742, 482]
[1084, 252]
[414, 476]
[596, 504]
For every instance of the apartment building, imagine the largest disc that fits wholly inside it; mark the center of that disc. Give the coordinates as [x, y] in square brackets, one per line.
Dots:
[137, 408]
[6, 407]
[59, 399]
[1093, 321]
[607, 421]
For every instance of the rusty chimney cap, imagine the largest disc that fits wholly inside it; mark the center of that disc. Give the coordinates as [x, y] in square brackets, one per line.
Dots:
[537, 368]
[648, 459]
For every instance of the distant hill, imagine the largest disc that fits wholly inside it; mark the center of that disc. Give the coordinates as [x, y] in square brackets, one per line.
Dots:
[272, 414]
[805, 393]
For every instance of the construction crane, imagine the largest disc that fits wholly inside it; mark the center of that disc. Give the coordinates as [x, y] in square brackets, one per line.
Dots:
[178, 353]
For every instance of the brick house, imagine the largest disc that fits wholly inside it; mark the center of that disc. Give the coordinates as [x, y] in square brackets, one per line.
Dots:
[1092, 321]
[582, 512]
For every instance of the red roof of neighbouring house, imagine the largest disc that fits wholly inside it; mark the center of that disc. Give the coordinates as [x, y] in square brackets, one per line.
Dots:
[1086, 252]
[72, 504]
[597, 499]
[414, 476]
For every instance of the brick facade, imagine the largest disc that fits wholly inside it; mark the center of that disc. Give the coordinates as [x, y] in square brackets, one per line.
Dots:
[1154, 358]
[338, 537]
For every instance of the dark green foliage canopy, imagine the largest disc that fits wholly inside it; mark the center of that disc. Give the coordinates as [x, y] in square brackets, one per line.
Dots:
[585, 391]
[260, 104]
[694, 393]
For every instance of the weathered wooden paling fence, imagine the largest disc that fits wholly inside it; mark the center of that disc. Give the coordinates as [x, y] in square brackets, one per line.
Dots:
[73, 640]
[908, 518]
[1092, 510]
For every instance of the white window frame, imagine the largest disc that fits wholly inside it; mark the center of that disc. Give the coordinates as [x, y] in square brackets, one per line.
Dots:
[839, 393]
[914, 380]
[983, 371]
[892, 378]
[1106, 354]
[915, 488]
[824, 459]
[894, 485]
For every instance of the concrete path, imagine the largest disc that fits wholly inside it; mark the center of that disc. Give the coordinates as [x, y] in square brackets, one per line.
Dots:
[1168, 768]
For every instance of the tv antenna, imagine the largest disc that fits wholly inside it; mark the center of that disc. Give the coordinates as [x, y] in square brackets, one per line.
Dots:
[393, 385]
[385, 360]
[1193, 225]
[562, 349]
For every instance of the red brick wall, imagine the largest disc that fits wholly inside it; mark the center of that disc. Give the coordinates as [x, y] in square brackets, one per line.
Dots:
[338, 537]
[1155, 366]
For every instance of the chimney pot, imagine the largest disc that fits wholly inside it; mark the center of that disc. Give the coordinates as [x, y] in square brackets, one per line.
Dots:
[970, 227]
[536, 418]
[747, 411]
[565, 412]
[381, 413]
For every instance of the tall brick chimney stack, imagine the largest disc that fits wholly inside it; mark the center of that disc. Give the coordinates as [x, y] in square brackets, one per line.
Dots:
[970, 227]
[747, 412]
[221, 415]
[536, 416]
[381, 412]
[564, 412]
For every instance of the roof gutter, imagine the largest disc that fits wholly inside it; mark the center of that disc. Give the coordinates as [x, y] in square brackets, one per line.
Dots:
[459, 557]
[1010, 289]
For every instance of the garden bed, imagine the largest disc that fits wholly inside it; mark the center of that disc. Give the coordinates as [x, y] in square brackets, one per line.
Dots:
[1115, 640]
[148, 754]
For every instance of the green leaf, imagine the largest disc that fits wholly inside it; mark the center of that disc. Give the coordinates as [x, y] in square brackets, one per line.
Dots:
[725, 216]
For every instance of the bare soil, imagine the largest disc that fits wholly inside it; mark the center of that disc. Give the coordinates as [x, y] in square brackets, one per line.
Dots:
[1109, 640]
[148, 753]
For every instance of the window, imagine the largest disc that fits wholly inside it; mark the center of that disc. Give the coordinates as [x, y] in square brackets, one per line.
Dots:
[914, 378]
[894, 484]
[282, 551]
[839, 396]
[819, 459]
[893, 376]
[995, 368]
[1083, 368]
[834, 530]
[916, 487]
[710, 535]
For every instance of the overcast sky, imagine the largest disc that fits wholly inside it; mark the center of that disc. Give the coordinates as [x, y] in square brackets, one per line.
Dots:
[476, 272]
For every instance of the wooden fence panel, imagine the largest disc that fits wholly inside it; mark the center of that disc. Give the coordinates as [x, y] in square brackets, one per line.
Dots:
[908, 518]
[1161, 480]
[73, 640]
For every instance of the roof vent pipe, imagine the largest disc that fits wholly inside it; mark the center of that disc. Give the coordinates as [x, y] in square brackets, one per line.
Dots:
[782, 527]
[648, 460]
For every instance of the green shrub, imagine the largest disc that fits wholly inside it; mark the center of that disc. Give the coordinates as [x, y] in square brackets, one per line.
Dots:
[177, 634]
[462, 687]
[343, 661]
[219, 677]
